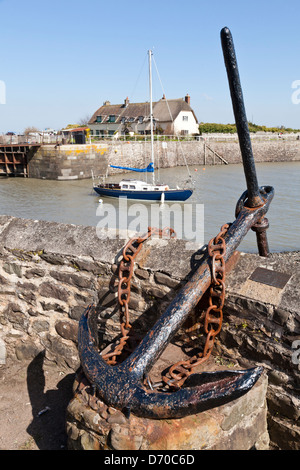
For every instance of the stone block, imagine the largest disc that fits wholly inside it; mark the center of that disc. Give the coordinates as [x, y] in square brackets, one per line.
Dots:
[238, 425]
[161, 278]
[13, 268]
[51, 290]
[67, 330]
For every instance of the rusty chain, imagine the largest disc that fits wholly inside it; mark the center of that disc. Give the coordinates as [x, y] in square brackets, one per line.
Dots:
[130, 251]
[179, 372]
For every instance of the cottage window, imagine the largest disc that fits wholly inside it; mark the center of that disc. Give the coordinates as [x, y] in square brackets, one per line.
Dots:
[99, 119]
[185, 118]
[141, 118]
[112, 118]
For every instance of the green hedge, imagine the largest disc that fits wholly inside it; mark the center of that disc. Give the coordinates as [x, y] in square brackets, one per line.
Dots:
[210, 128]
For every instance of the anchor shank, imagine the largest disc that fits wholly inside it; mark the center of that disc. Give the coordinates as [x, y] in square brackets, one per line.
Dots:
[254, 198]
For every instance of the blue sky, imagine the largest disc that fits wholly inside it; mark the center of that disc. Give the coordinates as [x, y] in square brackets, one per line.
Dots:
[61, 60]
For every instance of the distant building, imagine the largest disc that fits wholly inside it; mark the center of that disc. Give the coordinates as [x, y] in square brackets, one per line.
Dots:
[171, 117]
[77, 135]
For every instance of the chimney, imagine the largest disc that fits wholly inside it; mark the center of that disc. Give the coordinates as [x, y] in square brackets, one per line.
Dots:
[106, 103]
[164, 97]
[187, 99]
[126, 102]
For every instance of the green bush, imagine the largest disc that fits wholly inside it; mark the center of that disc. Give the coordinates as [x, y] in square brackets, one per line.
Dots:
[211, 128]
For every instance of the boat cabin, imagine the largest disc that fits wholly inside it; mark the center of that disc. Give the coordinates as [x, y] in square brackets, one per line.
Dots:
[136, 185]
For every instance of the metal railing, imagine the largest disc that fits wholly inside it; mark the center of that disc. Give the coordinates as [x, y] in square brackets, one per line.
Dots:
[33, 139]
[192, 138]
[143, 138]
[253, 136]
[94, 139]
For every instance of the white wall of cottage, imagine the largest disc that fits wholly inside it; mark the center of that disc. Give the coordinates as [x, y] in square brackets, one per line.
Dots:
[190, 125]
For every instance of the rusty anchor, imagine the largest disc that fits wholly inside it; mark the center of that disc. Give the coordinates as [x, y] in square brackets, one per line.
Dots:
[122, 386]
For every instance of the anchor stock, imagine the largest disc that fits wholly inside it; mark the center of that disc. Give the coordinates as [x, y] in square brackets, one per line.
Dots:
[253, 192]
[122, 385]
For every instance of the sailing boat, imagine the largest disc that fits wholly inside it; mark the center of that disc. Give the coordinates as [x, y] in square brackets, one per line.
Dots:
[138, 189]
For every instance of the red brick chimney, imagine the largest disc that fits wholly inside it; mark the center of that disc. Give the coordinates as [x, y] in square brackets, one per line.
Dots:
[187, 99]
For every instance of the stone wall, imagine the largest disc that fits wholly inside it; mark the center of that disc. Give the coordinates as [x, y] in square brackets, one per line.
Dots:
[263, 326]
[50, 272]
[176, 153]
[69, 162]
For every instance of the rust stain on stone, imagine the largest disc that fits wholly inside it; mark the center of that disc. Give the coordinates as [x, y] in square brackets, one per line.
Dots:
[144, 255]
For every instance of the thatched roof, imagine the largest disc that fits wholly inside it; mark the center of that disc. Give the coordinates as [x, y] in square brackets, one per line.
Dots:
[134, 111]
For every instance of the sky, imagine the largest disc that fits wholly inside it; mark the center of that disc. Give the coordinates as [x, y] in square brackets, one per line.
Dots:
[60, 60]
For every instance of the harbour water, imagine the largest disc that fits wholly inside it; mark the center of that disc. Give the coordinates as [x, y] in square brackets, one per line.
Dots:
[217, 189]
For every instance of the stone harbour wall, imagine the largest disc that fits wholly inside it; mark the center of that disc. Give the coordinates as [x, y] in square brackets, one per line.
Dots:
[69, 162]
[176, 153]
[50, 272]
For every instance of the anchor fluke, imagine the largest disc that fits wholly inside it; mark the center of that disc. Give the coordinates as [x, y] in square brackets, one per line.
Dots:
[124, 389]
[216, 389]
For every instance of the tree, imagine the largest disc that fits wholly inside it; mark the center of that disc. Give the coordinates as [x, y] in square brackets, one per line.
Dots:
[84, 120]
[30, 129]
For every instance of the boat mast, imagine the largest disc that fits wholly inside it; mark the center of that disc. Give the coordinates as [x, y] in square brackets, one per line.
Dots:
[151, 111]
